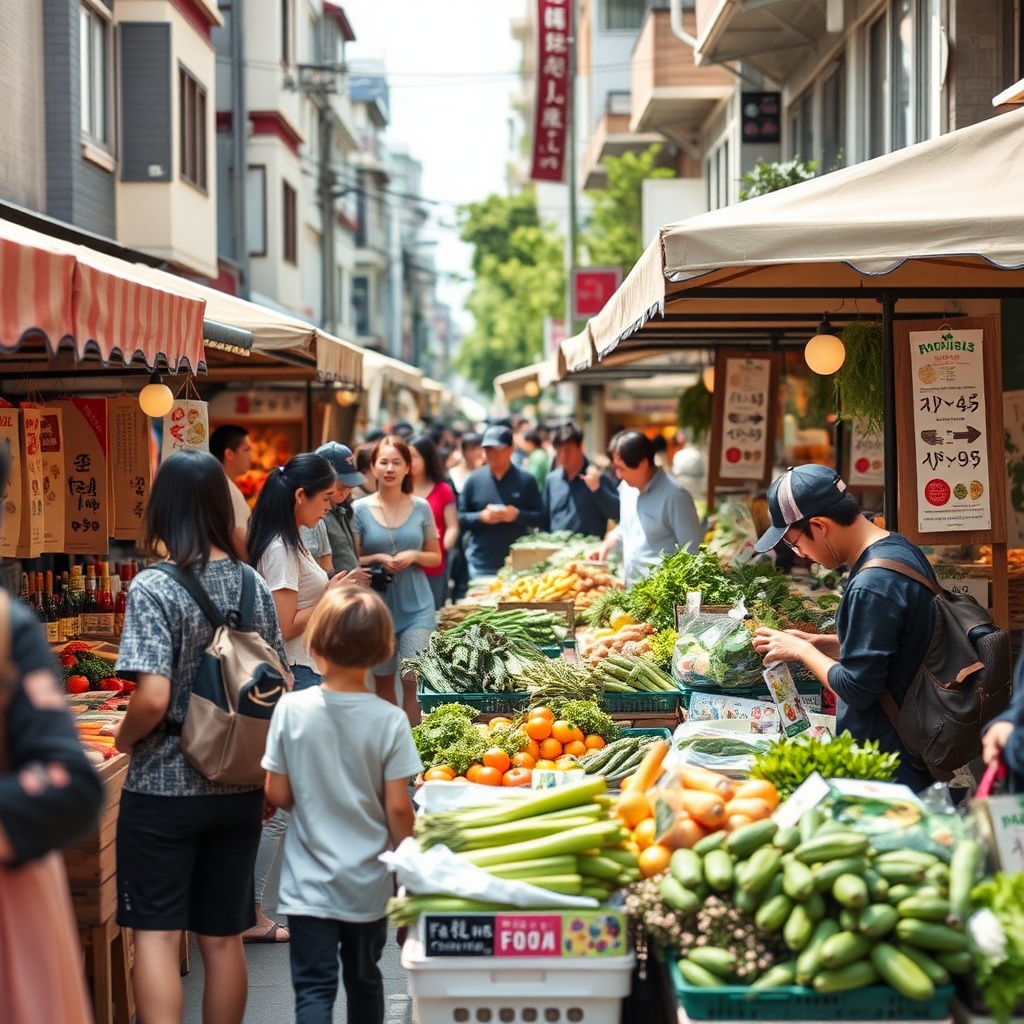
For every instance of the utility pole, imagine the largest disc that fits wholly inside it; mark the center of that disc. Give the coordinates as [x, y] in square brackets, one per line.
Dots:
[570, 324]
[239, 139]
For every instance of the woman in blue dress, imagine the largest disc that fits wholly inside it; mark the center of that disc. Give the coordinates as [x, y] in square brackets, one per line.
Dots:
[396, 531]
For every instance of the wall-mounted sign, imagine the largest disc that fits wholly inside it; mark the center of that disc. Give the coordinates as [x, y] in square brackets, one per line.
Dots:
[867, 457]
[553, 100]
[947, 371]
[761, 122]
[592, 287]
[747, 403]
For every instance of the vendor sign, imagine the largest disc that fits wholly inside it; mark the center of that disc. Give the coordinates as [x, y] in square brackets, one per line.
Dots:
[950, 430]
[745, 448]
[10, 438]
[86, 487]
[30, 537]
[187, 425]
[129, 466]
[51, 445]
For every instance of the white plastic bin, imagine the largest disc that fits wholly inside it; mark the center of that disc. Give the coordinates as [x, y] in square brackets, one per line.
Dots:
[521, 990]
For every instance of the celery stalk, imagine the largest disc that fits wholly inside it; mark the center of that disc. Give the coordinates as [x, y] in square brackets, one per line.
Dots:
[559, 798]
[571, 841]
[528, 828]
[539, 866]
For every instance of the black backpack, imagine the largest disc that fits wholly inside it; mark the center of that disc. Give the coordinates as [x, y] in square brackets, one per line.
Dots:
[962, 684]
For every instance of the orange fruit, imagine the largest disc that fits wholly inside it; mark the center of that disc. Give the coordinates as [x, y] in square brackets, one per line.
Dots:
[545, 764]
[562, 731]
[577, 748]
[523, 760]
[577, 734]
[517, 777]
[593, 742]
[643, 834]
[488, 776]
[550, 748]
[473, 771]
[495, 757]
[653, 860]
[499, 722]
[632, 807]
[538, 728]
[542, 712]
[440, 773]
[533, 749]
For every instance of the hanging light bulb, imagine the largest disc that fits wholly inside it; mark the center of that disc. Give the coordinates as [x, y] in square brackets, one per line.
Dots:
[531, 389]
[708, 378]
[824, 353]
[156, 398]
[345, 396]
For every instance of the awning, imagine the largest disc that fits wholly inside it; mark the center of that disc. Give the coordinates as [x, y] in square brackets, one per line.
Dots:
[527, 382]
[391, 371]
[63, 291]
[577, 352]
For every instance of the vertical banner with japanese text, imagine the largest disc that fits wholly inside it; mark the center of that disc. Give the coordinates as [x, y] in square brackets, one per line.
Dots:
[746, 441]
[10, 440]
[87, 490]
[51, 444]
[554, 90]
[30, 538]
[950, 430]
[129, 466]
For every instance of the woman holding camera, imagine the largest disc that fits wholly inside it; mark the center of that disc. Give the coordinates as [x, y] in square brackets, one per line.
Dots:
[396, 537]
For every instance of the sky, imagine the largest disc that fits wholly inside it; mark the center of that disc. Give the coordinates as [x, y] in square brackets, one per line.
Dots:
[452, 69]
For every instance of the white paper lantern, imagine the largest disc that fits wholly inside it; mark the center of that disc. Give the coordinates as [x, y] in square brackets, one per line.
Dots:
[156, 398]
[824, 353]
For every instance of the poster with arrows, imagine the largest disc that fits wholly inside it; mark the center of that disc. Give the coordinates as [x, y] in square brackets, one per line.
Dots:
[953, 484]
[746, 438]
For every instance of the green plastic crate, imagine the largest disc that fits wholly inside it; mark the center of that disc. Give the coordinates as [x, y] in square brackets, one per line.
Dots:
[795, 1002]
[658, 734]
[484, 703]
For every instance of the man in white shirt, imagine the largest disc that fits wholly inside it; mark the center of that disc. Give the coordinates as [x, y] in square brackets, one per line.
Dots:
[230, 444]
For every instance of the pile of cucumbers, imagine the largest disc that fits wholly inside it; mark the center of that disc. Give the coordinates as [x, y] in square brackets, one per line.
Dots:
[850, 916]
[617, 759]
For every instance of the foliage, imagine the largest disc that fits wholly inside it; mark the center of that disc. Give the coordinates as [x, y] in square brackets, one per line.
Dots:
[519, 280]
[997, 946]
[693, 412]
[614, 235]
[767, 176]
[858, 381]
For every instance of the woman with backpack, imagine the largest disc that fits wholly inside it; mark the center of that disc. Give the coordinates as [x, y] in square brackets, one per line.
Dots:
[186, 846]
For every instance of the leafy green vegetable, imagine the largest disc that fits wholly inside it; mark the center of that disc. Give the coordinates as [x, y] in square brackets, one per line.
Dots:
[586, 715]
[603, 607]
[997, 946]
[790, 761]
[448, 736]
[662, 646]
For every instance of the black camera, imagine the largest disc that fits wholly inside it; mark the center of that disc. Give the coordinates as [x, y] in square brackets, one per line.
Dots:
[380, 578]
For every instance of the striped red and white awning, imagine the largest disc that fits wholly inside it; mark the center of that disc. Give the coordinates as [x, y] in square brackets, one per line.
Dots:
[66, 292]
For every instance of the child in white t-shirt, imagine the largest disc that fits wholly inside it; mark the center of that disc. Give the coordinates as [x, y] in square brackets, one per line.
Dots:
[340, 759]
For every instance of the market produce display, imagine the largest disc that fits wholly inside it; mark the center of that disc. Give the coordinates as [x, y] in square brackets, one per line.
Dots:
[580, 582]
[531, 625]
[82, 670]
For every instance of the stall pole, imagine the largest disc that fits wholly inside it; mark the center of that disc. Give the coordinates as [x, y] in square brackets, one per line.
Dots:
[309, 417]
[888, 301]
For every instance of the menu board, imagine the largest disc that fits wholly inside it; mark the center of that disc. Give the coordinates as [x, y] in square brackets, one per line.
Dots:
[129, 467]
[867, 456]
[947, 372]
[86, 488]
[51, 444]
[747, 396]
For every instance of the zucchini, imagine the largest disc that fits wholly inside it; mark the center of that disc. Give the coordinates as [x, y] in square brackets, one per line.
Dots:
[959, 962]
[930, 935]
[748, 838]
[901, 972]
[711, 958]
[878, 887]
[810, 821]
[845, 948]
[710, 842]
[877, 920]
[924, 908]
[825, 874]
[760, 869]
[964, 870]
[787, 839]
[918, 857]
[809, 962]
[849, 920]
[677, 897]
[777, 976]
[773, 913]
[831, 847]
[700, 977]
[850, 891]
[797, 880]
[796, 932]
[687, 868]
[845, 979]
[936, 972]
[719, 871]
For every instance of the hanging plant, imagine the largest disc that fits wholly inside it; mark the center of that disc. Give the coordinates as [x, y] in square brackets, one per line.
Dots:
[821, 400]
[693, 412]
[858, 381]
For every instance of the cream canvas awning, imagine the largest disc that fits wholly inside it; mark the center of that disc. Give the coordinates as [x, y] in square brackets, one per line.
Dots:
[527, 382]
[392, 371]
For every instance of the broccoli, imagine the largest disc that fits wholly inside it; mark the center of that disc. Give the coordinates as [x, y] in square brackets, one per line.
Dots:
[443, 728]
[586, 716]
[461, 753]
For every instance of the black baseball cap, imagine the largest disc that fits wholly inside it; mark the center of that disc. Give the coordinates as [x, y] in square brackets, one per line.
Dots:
[497, 437]
[342, 462]
[798, 495]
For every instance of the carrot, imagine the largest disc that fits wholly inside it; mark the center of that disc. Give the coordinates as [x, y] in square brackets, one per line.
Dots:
[706, 780]
[706, 808]
[753, 808]
[683, 833]
[650, 767]
[758, 789]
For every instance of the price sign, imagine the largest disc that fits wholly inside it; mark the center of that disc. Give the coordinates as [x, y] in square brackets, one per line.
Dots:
[950, 430]
[746, 386]
[458, 934]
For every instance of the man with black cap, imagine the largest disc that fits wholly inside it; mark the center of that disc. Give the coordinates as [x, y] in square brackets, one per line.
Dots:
[498, 504]
[885, 620]
[340, 554]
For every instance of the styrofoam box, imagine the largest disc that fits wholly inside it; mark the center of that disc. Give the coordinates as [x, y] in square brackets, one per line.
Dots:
[448, 990]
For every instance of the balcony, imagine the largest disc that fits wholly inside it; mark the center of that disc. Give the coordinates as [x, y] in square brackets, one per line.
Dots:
[670, 94]
[771, 35]
[612, 137]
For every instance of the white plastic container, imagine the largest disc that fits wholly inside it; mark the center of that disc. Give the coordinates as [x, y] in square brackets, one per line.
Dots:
[452, 990]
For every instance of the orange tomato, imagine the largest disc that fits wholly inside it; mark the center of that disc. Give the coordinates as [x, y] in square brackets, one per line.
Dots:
[643, 834]
[654, 860]
[523, 760]
[593, 742]
[562, 731]
[683, 834]
[577, 734]
[438, 774]
[517, 777]
[541, 712]
[473, 771]
[488, 776]
[495, 757]
[533, 749]
[550, 748]
[577, 748]
[538, 728]
[545, 764]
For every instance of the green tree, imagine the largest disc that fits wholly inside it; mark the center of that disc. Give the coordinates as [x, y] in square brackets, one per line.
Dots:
[765, 177]
[614, 234]
[519, 280]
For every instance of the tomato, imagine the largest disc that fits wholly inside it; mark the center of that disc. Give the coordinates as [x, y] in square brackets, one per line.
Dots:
[68, 660]
[517, 777]
[523, 760]
[473, 771]
[76, 684]
[488, 776]
[495, 757]
[440, 774]
[111, 683]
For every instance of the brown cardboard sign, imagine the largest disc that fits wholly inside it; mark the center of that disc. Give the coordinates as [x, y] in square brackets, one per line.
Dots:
[10, 519]
[87, 508]
[30, 537]
[129, 466]
[51, 444]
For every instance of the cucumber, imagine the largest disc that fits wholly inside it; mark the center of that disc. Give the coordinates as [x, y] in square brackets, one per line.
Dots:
[900, 892]
[796, 932]
[850, 891]
[712, 841]
[809, 962]
[845, 948]
[797, 880]
[924, 908]
[826, 874]
[902, 973]
[959, 962]
[760, 869]
[718, 961]
[748, 838]
[810, 821]
[936, 972]
[787, 839]
[815, 906]
[878, 887]
[918, 857]
[831, 847]
[687, 868]
[938, 874]
[698, 976]
[964, 870]
[852, 976]
[901, 872]
[877, 920]
[744, 901]
[930, 935]
[677, 897]
[719, 871]
[849, 920]
[777, 976]
[773, 913]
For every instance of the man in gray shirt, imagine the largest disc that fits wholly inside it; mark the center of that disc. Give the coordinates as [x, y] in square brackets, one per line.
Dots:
[655, 516]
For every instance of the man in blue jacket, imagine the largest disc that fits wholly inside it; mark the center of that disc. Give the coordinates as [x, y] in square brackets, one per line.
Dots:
[498, 504]
[577, 495]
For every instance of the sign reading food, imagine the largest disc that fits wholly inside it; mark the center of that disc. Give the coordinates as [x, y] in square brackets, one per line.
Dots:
[187, 425]
[745, 437]
[951, 447]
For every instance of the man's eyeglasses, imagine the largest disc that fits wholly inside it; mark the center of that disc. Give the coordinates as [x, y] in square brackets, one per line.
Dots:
[794, 545]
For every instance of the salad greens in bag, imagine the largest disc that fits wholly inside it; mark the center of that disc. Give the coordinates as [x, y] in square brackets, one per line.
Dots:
[716, 651]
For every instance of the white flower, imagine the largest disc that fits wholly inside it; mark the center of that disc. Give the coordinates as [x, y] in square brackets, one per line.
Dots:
[988, 934]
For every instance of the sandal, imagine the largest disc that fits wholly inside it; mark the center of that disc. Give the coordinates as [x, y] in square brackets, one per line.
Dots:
[273, 934]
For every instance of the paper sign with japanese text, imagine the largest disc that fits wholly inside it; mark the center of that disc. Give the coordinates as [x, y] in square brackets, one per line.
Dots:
[187, 425]
[30, 537]
[129, 466]
[10, 519]
[51, 444]
[746, 444]
[554, 94]
[947, 370]
[86, 486]
[867, 457]
[1013, 446]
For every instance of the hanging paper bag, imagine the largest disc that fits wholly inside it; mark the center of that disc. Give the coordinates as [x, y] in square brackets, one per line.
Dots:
[51, 445]
[87, 508]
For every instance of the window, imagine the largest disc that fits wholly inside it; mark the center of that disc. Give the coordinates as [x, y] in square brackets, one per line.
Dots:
[903, 74]
[290, 225]
[94, 31]
[256, 209]
[878, 87]
[192, 133]
[361, 305]
[286, 33]
[833, 119]
[623, 15]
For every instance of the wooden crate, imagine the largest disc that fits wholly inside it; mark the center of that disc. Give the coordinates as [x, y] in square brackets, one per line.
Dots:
[523, 557]
[92, 862]
[647, 720]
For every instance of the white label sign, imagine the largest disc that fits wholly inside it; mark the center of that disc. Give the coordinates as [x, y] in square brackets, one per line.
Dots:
[950, 431]
[976, 587]
[745, 440]
[867, 457]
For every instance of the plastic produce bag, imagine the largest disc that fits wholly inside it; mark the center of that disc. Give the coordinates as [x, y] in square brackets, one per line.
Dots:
[726, 751]
[716, 651]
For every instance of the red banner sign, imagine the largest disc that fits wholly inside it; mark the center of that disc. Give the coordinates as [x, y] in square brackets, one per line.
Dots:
[592, 287]
[554, 93]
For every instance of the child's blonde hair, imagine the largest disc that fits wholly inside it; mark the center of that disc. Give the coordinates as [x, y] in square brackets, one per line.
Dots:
[352, 627]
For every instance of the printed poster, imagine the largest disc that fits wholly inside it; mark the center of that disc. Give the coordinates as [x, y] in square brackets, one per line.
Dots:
[867, 456]
[30, 538]
[51, 444]
[86, 485]
[950, 430]
[129, 466]
[187, 425]
[10, 519]
[745, 440]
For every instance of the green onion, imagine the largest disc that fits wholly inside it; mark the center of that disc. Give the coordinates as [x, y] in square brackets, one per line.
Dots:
[540, 866]
[528, 828]
[576, 840]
